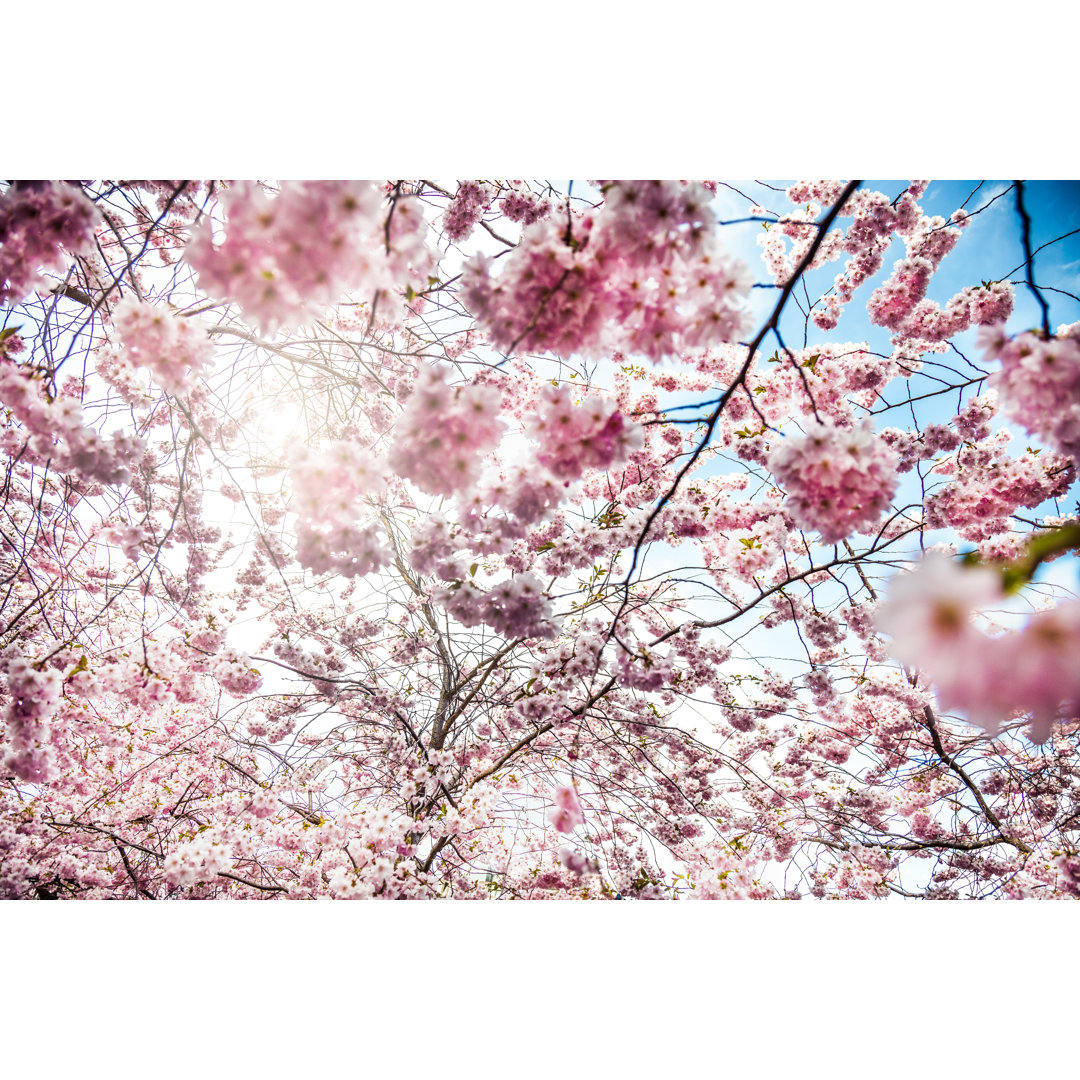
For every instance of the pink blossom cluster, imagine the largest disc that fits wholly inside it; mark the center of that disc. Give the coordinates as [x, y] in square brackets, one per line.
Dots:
[11, 343]
[37, 221]
[876, 220]
[1039, 383]
[33, 698]
[774, 253]
[443, 431]
[53, 430]
[548, 296]
[913, 447]
[329, 482]
[722, 874]
[466, 209]
[829, 377]
[524, 206]
[287, 258]
[573, 438]
[346, 549]
[1035, 670]
[818, 628]
[435, 543]
[920, 793]
[402, 258]
[862, 873]
[867, 240]
[933, 237]
[128, 538]
[589, 541]
[1068, 868]
[822, 192]
[234, 671]
[644, 275]
[319, 665]
[174, 349]
[972, 422]
[264, 803]
[989, 485]
[131, 384]
[929, 613]
[577, 862]
[460, 344]
[644, 670]
[975, 305]
[199, 860]
[838, 480]
[892, 302]
[363, 883]
[820, 684]
[526, 493]
[516, 607]
[334, 529]
[567, 814]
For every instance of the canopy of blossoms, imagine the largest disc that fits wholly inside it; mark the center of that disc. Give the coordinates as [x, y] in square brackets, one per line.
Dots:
[483, 539]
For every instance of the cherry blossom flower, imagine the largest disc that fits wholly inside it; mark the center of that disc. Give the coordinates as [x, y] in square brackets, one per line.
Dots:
[443, 432]
[1039, 383]
[567, 813]
[929, 615]
[838, 480]
[37, 223]
[176, 350]
[573, 438]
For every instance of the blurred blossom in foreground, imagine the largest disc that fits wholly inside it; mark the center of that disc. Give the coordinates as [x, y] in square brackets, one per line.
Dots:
[930, 614]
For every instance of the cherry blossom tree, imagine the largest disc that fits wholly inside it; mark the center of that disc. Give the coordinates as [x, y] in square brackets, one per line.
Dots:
[420, 539]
